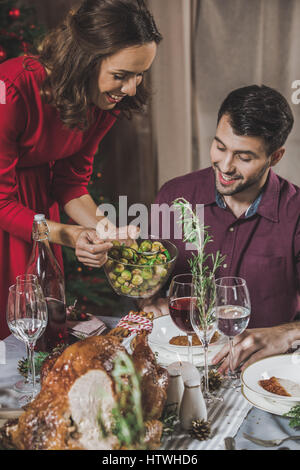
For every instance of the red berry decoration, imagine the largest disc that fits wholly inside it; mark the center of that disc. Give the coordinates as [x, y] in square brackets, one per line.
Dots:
[25, 47]
[3, 54]
[14, 13]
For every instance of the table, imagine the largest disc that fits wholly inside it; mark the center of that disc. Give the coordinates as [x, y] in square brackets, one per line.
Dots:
[258, 423]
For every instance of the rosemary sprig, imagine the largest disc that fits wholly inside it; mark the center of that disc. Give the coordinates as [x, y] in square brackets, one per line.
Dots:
[169, 419]
[128, 414]
[196, 233]
[294, 415]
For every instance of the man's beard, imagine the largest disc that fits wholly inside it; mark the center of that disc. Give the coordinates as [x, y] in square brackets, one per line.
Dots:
[242, 186]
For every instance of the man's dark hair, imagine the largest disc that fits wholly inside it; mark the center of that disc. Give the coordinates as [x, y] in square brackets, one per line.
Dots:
[259, 111]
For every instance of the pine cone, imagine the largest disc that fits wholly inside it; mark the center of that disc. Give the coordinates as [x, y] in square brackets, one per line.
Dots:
[214, 380]
[23, 367]
[200, 430]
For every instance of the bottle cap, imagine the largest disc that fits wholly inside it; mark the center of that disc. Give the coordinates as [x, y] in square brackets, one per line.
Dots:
[39, 217]
[192, 383]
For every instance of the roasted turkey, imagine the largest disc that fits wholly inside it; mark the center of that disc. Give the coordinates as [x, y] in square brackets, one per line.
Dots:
[75, 407]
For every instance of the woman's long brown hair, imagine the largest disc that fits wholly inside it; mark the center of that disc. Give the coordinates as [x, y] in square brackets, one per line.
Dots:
[73, 52]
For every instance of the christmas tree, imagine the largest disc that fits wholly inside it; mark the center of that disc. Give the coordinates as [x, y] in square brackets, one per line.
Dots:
[20, 34]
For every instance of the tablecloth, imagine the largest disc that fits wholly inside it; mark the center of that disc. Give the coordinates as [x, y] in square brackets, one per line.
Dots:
[232, 418]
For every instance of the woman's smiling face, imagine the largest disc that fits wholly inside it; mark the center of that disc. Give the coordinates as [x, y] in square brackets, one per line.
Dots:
[121, 73]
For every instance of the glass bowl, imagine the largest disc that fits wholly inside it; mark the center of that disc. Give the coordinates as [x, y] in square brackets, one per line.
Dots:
[140, 276]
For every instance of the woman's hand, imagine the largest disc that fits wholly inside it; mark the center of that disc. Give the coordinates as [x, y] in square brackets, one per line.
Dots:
[256, 344]
[108, 231]
[90, 250]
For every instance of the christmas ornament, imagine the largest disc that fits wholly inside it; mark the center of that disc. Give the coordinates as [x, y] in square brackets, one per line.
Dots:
[25, 47]
[14, 13]
[214, 380]
[200, 430]
[3, 54]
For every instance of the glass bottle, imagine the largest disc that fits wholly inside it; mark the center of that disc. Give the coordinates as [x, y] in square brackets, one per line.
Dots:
[43, 264]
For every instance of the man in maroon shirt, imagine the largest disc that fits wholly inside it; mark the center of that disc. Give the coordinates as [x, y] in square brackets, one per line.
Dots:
[253, 216]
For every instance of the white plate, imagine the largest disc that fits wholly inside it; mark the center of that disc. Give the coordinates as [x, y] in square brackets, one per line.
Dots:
[164, 329]
[265, 404]
[285, 366]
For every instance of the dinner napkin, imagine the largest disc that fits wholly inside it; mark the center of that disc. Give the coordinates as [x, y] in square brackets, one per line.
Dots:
[92, 327]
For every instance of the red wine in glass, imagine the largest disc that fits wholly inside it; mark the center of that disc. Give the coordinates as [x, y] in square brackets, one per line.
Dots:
[180, 313]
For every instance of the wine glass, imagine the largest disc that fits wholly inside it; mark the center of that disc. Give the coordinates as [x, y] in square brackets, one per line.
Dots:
[180, 298]
[204, 322]
[233, 313]
[27, 320]
[24, 385]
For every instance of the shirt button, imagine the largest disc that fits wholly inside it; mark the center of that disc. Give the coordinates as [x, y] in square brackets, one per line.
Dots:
[225, 266]
[231, 229]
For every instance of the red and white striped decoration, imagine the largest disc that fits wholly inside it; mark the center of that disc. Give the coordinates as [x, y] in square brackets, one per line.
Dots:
[141, 323]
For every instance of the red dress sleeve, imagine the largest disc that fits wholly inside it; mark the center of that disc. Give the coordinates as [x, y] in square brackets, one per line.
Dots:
[14, 217]
[71, 177]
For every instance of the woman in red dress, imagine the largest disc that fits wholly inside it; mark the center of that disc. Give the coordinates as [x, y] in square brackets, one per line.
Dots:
[59, 106]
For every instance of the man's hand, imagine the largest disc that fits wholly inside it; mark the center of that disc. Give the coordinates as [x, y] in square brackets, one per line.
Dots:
[90, 250]
[158, 306]
[256, 344]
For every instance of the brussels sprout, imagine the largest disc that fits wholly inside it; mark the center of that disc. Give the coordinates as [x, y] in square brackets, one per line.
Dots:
[123, 260]
[127, 253]
[114, 253]
[145, 246]
[161, 271]
[112, 276]
[117, 285]
[134, 293]
[126, 289]
[142, 261]
[153, 282]
[134, 245]
[126, 275]
[137, 271]
[116, 243]
[137, 280]
[121, 280]
[157, 246]
[109, 264]
[161, 258]
[119, 269]
[147, 273]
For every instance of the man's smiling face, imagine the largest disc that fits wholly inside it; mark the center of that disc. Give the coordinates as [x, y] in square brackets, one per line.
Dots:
[239, 162]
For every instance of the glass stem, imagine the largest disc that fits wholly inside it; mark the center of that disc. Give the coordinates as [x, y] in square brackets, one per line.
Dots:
[231, 355]
[190, 349]
[31, 362]
[206, 383]
[28, 378]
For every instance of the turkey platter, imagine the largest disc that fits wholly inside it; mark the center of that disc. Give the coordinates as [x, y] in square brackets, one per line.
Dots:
[94, 396]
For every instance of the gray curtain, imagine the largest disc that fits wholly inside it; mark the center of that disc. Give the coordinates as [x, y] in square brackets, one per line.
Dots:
[229, 44]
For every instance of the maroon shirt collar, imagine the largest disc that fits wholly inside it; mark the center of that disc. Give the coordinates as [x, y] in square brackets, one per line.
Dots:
[269, 205]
